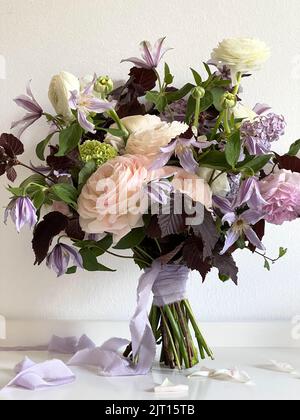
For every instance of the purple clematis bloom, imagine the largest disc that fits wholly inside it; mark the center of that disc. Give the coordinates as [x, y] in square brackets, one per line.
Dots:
[151, 56]
[86, 103]
[249, 193]
[60, 257]
[22, 212]
[159, 190]
[241, 225]
[183, 148]
[28, 103]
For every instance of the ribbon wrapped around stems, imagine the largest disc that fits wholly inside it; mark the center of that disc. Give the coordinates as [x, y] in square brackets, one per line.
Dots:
[168, 284]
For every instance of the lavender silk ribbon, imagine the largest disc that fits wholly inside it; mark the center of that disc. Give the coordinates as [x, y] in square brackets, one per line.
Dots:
[168, 284]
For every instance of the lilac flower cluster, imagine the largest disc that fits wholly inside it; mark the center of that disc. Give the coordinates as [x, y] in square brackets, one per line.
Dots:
[259, 134]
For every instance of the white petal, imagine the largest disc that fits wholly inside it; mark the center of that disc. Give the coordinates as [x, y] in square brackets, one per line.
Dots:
[224, 375]
[168, 387]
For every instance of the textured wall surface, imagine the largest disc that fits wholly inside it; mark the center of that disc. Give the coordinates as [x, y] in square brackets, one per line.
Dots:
[38, 38]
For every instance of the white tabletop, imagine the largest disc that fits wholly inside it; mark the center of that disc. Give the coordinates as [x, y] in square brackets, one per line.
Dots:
[269, 385]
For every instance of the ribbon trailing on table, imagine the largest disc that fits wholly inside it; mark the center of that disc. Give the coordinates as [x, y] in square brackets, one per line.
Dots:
[168, 284]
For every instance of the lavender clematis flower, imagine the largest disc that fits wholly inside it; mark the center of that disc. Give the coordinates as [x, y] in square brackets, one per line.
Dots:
[151, 56]
[60, 257]
[22, 212]
[29, 103]
[241, 225]
[159, 190]
[183, 148]
[86, 103]
[249, 193]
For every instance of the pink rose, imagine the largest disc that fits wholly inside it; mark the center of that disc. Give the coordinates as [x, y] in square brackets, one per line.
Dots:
[282, 192]
[112, 199]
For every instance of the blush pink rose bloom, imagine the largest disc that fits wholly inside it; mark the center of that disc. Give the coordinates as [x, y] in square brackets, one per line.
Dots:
[114, 199]
[282, 191]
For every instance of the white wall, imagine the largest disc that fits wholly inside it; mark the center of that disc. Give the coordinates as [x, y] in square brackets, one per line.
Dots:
[38, 38]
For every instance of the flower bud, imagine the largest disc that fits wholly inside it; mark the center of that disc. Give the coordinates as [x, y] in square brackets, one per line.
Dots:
[198, 92]
[104, 85]
[228, 100]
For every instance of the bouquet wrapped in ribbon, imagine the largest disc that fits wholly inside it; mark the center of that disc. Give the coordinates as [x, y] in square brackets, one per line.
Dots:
[181, 177]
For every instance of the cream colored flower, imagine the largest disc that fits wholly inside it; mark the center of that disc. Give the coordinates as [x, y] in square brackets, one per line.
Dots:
[242, 112]
[60, 90]
[148, 133]
[241, 54]
[220, 186]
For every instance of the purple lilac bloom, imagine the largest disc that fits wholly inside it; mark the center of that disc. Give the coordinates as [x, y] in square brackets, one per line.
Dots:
[22, 212]
[86, 103]
[259, 134]
[60, 257]
[241, 225]
[28, 103]
[151, 56]
[184, 149]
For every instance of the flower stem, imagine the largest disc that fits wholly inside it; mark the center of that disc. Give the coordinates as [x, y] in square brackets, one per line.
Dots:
[237, 86]
[197, 112]
[112, 113]
[34, 170]
[166, 326]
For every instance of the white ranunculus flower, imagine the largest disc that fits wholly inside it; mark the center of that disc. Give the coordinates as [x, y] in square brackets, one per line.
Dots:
[148, 133]
[241, 54]
[243, 112]
[221, 186]
[60, 89]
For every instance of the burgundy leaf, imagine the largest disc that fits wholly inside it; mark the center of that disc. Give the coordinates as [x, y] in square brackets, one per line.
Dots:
[207, 231]
[226, 266]
[2, 168]
[259, 229]
[143, 79]
[53, 224]
[153, 230]
[165, 259]
[74, 230]
[132, 108]
[290, 163]
[173, 223]
[12, 146]
[193, 257]
[69, 161]
[11, 174]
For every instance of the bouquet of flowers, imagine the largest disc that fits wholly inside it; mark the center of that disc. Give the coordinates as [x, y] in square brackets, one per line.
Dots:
[181, 177]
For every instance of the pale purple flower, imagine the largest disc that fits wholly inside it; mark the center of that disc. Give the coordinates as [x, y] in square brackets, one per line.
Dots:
[29, 103]
[86, 103]
[159, 190]
[60, 258]
[241, 226]
[259, 134]
[151, 56]
[182, 148]
[249, 193]
[22, 212]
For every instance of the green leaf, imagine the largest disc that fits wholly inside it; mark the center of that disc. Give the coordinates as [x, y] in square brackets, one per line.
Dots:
[224, 278]
[115, 132]
[179, 94]
[254, 164]
[267, 265]
[233, 149]
[159, 99]
[86, 172]
[90, 262]
[169, 78]
[38, 198]
[282, 252]
[36, 179]
[294, 149]
[66, 193]
[40, 148]
[69, 139]
[71, 270]
[207, 68]
[190, 109]
[217, 94]
[207, 101]
[215, 160]
[197, 77]
[17, 191]
[133, 239]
